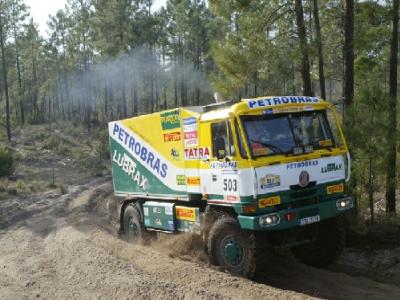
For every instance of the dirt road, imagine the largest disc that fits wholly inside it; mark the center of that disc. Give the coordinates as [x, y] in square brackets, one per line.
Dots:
[56, 246]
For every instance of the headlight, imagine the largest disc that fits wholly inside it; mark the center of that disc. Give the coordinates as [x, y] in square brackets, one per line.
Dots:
[269, 220]
[347, 164]
[344, 203]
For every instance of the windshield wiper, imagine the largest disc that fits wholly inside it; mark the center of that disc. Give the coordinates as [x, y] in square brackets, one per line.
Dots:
[269, 146]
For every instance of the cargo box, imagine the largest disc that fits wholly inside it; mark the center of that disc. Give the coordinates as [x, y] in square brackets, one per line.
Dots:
[151, 157]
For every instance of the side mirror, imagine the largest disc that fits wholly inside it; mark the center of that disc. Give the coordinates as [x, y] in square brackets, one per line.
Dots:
[219, 148]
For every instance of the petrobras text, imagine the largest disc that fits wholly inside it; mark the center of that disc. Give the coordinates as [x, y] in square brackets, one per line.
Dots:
[139, 150]
[274, 101]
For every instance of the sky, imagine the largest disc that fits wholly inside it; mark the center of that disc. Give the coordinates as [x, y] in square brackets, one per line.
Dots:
[41, 9]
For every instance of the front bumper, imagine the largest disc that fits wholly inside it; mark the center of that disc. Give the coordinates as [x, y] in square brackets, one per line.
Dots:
[324, 210]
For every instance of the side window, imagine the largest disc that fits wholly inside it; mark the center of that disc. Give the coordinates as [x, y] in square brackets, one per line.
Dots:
[240, 142]
[222, 139]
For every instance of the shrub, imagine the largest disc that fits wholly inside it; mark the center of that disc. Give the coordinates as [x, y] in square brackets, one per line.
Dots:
[6, 163]
[51, 143]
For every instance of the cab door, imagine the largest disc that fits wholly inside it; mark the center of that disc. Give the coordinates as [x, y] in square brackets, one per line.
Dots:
[219, 173]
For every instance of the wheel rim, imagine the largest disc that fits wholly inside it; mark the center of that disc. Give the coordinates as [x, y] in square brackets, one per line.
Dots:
[233, 251]
[133, 229]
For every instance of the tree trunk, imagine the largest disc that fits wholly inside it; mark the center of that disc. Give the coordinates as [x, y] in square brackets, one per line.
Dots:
[319, 46]
[124, 102]
[305, 63]
[348, 50]
[5, 79]
[106, 101]
[391, 137]
[164, 80]
[371, 190]
[175, 81]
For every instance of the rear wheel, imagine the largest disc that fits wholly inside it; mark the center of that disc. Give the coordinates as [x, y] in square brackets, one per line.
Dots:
[232, 248]
[133, 226]
[326, 247]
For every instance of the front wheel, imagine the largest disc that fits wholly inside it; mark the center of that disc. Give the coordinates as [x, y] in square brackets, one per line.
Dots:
[232, 248]
[326, 247]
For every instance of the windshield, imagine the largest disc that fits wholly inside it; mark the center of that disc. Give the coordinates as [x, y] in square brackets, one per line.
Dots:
[280, 134]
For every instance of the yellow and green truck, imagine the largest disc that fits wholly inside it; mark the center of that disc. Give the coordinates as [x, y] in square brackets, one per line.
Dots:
[263, 172]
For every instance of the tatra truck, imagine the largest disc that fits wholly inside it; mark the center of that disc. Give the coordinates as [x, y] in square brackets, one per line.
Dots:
[263, 172]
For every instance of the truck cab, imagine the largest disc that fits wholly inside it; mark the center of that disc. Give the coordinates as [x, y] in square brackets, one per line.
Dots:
[279, 161]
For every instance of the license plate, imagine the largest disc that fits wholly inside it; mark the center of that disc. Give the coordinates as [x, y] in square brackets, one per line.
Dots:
[310, 220]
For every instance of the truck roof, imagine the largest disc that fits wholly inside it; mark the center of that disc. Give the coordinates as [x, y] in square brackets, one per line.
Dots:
[267, 103]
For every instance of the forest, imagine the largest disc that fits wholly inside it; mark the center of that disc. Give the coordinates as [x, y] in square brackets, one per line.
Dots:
[103, 60]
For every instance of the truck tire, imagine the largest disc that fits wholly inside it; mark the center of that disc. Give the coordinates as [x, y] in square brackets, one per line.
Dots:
[326, 247]
[231, 247]
[210, 215]
[134, 229]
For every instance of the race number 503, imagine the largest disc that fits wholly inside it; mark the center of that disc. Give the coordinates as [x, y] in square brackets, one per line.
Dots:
[230, 185]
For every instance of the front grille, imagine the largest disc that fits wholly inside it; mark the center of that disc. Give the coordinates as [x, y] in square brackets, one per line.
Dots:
[302, 194]
[309, 212]
[297, 187]
[297, 204]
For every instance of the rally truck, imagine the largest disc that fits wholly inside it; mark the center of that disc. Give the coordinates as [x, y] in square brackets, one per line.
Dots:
[260, 173]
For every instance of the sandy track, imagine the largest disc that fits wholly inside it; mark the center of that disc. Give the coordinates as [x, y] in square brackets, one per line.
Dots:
[64, 247]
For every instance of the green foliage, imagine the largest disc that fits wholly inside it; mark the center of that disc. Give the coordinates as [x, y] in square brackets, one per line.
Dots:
[366, 129]
[89, 161]
[51, 143]
[6, 162]
[103, 148]
[383, 234]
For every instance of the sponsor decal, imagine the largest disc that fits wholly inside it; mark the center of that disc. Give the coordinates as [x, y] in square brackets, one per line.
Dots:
[291, 109]
[223, 165]
[191, 143]
[139, 151]
[197, 153]
[274, 101]
[304, 178]
[231, 198]
[186, 213]
[268, 111]
[333, 189]
[171, 226]
[214, 177]
[130, 168]
[170, 120]
[190, 133]
[229, 172]
[270, 201]
[193, 181]
[261, 151]
[270, 181]
[331, 167]
[325, 143]
[180, 179]
[189, 124]
[302, 164]
[172, 137]
[175, 154]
